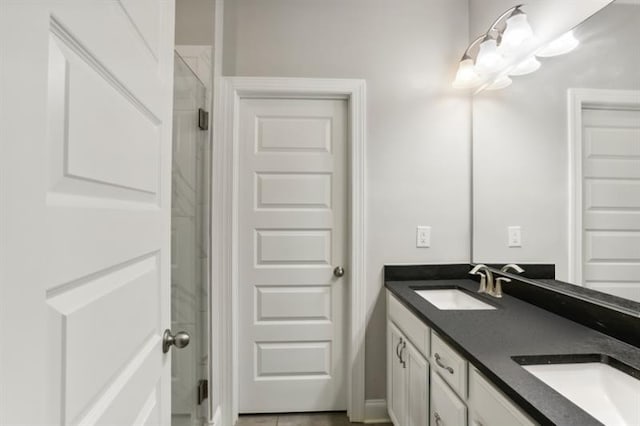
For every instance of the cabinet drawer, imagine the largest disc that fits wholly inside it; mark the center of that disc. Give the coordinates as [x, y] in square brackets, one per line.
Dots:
[449, 364]
[489, 406]
[446, 408]
[414, 329]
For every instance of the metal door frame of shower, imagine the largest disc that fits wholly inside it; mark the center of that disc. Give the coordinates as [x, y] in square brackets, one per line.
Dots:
[197, 51]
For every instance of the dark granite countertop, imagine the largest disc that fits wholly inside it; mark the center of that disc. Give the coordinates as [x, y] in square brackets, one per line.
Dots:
[489, 339]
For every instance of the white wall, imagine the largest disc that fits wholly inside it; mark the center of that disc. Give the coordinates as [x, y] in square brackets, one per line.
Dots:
[520, 141]
[194, 22]
[418, 127]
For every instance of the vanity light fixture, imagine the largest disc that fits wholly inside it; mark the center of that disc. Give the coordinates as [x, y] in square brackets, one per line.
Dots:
[563, 44]
[502, 52]
[467, 77]
[489, 58]
[517, 31]
[493, 50]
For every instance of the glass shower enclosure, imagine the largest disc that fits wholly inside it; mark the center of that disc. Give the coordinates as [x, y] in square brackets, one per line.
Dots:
[190, 227]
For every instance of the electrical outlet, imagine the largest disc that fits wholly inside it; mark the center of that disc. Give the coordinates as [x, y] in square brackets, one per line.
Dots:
[423, 236]
[514, 238]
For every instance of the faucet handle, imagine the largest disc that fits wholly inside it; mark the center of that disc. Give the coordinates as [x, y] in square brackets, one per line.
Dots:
[498, 289]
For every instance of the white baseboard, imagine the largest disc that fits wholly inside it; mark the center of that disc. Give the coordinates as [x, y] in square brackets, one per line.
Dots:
[217, 418]
[375, 411]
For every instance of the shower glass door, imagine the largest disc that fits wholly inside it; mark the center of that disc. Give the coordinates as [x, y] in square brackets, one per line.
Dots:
[189, 245]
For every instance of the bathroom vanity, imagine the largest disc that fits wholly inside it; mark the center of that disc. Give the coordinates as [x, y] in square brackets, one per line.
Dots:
[457, 358]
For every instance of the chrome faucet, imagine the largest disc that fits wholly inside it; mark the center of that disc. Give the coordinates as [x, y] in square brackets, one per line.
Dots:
[500, 280]
[498, 290]
[486, 278]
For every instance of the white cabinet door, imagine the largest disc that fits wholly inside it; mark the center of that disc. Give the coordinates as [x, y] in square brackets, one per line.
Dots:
[417, 377]
[396, 373]
[489, 407]
[446, 407]
[85, 190]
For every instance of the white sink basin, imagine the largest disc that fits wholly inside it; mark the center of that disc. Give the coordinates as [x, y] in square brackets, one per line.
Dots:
[608, 394]
[452, 299]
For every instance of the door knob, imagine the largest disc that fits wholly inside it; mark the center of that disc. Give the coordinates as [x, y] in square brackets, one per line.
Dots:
[179, 340]
[338, 271]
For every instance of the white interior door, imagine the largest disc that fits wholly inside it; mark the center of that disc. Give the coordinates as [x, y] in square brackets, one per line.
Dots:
[291, 236]
[85, 122]
[611, 201]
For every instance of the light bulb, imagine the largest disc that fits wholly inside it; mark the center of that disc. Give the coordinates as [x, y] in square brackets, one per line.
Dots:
[489, 59]
[466, 77]
[527, 66]
[563, 44]
[517, 32]
[500, 83]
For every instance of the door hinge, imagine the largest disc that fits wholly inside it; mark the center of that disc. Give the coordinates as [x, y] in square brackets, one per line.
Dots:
[203, 119]
[203, 390]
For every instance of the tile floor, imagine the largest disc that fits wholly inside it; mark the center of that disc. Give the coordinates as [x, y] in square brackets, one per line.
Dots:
[306, 419]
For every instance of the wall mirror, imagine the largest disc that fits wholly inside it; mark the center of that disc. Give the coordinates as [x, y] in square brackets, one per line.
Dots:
[556, 158]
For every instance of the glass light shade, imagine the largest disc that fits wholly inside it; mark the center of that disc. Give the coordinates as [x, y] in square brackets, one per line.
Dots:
[500, 83]
[466, 77]
[563, 44]
[527, 66]
[517, 32]
[489, 59]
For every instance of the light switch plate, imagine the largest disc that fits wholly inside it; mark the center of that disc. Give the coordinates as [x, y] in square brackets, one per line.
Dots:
[423, 236]
[514, 238]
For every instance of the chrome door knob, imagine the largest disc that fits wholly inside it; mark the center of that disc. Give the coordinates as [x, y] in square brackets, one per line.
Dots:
[179, 340]
[338, 271]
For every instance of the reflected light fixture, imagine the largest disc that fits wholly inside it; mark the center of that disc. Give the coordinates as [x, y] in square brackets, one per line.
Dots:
[527, 66]
[563, 44]
[500, 83]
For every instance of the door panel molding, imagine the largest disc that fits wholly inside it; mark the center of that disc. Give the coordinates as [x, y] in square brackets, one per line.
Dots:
[577, 101]
[225, 230]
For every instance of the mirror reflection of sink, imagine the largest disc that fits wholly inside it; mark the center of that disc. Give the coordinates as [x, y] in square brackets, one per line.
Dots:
[605, 392]
[452, 299]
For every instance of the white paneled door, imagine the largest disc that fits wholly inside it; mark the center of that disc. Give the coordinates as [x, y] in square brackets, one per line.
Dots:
[85, 122]
[611, 201]
[291, 237]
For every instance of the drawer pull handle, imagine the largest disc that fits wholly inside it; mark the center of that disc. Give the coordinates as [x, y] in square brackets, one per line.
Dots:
[404, 345]
[398, 349]
[437, 417]
[441, 364]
